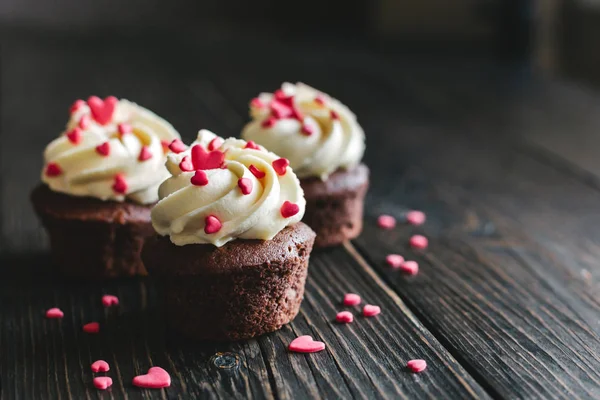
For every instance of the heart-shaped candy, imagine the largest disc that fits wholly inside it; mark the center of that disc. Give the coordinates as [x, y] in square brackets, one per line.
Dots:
[124, 128]
[92, 327]
[280, 166]
[156, 378]
[306, 344]
[74, 136]
[245, 185]
[394, 260]
[103, 149]
[54, 313]
[186, 164]
[84, 122]
[370, 310]
[177, 146]
[100, 366]
[215, 144]
[120, 184]
[351, 299]
[416, 365]
[53, 169]
[251, 145]
[76, 106]
[256, 172]
[102, 382]
[145, 154]
[212, 224]
[344, 317]
[199, 178]
[289, 209]
[202, 159]
[109, 300]
[102, 110]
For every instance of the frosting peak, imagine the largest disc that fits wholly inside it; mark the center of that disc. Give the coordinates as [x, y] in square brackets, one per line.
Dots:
[316, 132]
[111, 149]
[221, 190]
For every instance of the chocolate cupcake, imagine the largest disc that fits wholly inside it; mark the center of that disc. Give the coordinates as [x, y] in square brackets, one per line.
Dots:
[233, 255]
[324, 144]
[100, 181]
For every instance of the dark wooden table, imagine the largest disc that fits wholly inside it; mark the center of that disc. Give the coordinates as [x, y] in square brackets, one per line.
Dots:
[507, 301]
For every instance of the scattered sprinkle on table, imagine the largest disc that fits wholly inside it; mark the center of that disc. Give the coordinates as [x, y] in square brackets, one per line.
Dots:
[108, 300]
[370, 310]
[416, 366]
[410, 267]
[419, 242]
[386, 221]
[351, 299]
[54, 313]
[156, 378]
[394, 260]
[344, 317]
[100, 366]
[415, 217]
[92, 327]
[306, 344]
[103, 382]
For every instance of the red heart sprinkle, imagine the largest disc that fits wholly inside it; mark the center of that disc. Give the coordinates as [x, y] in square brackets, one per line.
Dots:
[102, 110]
[215, 144]
[156, 378]
[320, 100]
[74, 136]
[103, 149]
[186, 164]
[334, 115]
[100, 366]
[206, 160]
[394, 260]
[256, 172]
[102, 382]
[416, 365]
[92, 327]
[296, 115]
[245, 185]
[280, 110]
[256, 103]
[145, 154]
[418, 242]
[54, 313]
[177, 146]
[307, 129]
[306, 344]
[84, 122]
[351, 299]
[282, 97]
[415, 217]
[199, 178]
[124, 128]
[289, 209]
[165, 146]
[386, 222]
[120, 185]
[344, 317]
[53, 169]
[280, 166]
[410, 267]
[370, 310]
[76, 105]
[212, 224]
[251, 145]
[108, 300]
[269, 122]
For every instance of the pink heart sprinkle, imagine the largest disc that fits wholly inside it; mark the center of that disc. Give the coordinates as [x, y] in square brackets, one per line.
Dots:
[212, 224]
[280, 166]
[120, 184]
[53, 169]
[386, 221]
[76, 106]
[124, 128]
[102, 110]
[215, 144]
[289, 209]
[202, 159]
[84, 122]
[74, 136]
[186, 164]
[419, 242]
[320, 100]
[102, 382]
[344, 317]
[165, 145]
[199, 179]
[256, 172]
[108, 300]
[177, 146]
[410, 267]
[334, 115]
[394, 260]
[416, 365]
[145, 154]
[156, 378]
[54, 313]
[351, 299]
[306, 344]
[103, 149]
[307, 129]
[100, 366]
[251, 145]
[370, 310]
[415, 217]
[245, 185]
[92, 327]
[280, 110]
[269, 122]
[256, 103]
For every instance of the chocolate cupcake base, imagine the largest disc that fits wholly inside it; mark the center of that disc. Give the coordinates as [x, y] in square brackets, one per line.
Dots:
[334, 208]
[243, 289]
[93, 239]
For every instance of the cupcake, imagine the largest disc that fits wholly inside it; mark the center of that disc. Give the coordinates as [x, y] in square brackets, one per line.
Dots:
[324, 144]
[99, 182]
[232, 253]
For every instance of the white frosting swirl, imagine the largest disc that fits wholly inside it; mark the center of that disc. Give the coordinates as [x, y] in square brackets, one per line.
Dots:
[321, 136]
[92, 158]
[184, 208]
